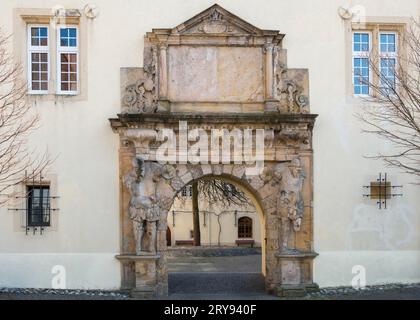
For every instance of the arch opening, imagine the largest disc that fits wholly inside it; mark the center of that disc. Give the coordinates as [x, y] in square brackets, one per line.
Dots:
[232, 239]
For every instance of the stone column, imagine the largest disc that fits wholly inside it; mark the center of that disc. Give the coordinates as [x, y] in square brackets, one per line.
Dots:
[270, 103]
[163, 72]
[269, 71]
[163, 102]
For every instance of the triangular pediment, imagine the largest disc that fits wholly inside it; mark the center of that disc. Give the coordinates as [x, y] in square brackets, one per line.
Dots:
[216, 20]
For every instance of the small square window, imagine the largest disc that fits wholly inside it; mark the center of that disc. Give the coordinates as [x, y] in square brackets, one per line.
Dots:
[361, 42]
[39, 36]
[387, 42]
[68, 37]
[380, 190]
[187, 191]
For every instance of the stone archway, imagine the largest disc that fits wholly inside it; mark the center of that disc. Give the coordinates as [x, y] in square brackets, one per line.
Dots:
[215, 72]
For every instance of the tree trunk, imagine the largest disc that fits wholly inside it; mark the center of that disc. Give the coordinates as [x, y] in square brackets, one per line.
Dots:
[196, 215]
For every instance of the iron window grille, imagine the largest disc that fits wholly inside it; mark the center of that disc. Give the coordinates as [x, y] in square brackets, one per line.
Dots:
[36, 207]
[381, 190]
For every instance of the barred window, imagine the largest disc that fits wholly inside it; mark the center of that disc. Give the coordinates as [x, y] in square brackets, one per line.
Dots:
[245, 227]
[38, 206]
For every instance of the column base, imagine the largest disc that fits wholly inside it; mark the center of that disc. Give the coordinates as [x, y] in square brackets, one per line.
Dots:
[145, 284]
[271, 106]
[143, 293]
[296, 273]
[299, 290]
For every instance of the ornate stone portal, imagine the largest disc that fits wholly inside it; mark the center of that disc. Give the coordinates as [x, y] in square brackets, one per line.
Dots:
[215, 71]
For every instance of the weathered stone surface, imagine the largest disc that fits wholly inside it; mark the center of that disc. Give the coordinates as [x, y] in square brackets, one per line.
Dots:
[206, 169]
[217, 169]
[231, 74]
[227, 169]
[177, 184]
[255, 182]
[186, 178]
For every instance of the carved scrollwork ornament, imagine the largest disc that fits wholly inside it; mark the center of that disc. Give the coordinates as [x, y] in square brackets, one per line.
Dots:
[169, 172]
[130, 97]
[141, 96]
[292, 137]
[294, 100]
[266, 174]
[302, 102]
[215, 24]
[290, 90]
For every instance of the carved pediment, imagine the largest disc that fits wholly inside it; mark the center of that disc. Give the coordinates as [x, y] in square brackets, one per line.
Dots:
[216, 20]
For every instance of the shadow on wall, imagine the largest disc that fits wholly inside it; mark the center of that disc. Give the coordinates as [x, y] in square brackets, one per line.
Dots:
[390, 229]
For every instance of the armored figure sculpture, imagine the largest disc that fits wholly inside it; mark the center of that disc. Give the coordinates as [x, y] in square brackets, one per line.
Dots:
[144, 210]
[290, 201]
[145, 215]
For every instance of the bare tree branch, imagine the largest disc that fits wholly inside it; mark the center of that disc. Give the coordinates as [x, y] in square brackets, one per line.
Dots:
[392, 112]
[17, 122]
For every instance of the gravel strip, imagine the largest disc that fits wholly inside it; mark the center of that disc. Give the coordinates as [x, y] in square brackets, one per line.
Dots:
[65, 292]
[335, 291]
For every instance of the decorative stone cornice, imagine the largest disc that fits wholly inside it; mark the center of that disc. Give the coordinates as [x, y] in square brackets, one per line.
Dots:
[131, 120]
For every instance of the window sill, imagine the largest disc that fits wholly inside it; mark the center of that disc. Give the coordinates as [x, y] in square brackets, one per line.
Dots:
[67, 94]
[38, 93]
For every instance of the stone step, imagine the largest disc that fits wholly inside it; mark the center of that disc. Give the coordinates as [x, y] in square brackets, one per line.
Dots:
[215, 282]
[211, 251]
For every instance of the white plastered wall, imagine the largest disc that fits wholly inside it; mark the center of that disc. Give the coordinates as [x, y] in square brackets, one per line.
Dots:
[348, 231]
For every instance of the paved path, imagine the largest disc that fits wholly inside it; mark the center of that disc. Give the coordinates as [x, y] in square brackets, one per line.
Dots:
[215, 277]
[216, 283]
[249, 263]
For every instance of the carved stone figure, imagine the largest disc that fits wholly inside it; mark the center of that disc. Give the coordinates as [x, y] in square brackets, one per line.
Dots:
[139, 168]
[144, 211]
[145, 214]
[290, 201]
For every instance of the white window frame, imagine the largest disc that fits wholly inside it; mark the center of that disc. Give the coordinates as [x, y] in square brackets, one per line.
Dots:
[388, 55]
[360, 54]
[72, 50]
[37, 49]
